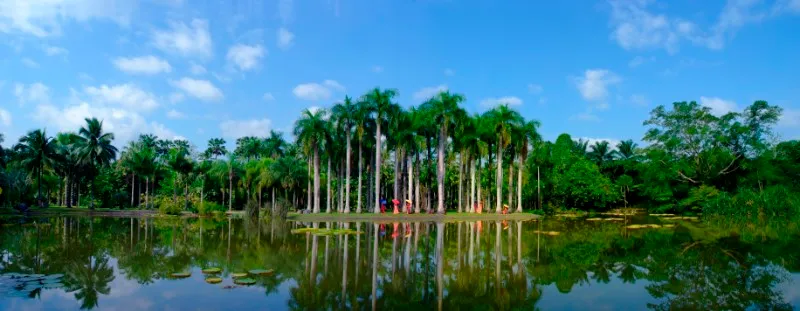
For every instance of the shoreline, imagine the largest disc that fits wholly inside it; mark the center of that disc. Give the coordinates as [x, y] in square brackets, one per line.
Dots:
[384, 218]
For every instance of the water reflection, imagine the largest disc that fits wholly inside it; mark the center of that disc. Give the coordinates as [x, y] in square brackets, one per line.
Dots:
[111, 263]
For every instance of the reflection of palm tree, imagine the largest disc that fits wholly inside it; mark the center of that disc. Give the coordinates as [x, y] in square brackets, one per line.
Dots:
[88, 281]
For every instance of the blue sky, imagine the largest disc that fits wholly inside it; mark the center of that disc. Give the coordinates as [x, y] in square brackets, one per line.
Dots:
[197, 70]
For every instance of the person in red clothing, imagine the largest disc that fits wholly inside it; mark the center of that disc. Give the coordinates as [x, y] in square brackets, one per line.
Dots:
[383, 206]
[505, 209]
[396, 204]
[408, 206]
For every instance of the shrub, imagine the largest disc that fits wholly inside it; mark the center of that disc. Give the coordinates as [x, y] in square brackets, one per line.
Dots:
[167, 206]
[280, 210]
[251, 208]
[208, 208]
[771, 203]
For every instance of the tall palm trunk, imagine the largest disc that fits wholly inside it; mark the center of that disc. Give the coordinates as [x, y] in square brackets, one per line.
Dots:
[519, 184]
[328, 207]
[416, 189]
[397, 154]
[410, 166]
[440, 169]
[510, 181]
[460, 178]
[230, 187]
[499, 179]
[133, 182]
[378, 165]
[316, 178]
[147, 192]
[310, 178]
[347, 175]
[360, 175]
[472, 186]
[340, 207]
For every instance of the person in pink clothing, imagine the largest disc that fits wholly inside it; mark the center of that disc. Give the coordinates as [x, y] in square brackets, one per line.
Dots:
[396, 204]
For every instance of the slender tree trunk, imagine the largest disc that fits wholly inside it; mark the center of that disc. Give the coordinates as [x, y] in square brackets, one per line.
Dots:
[328, 207]
[316, 178]
[230, 186]
[397, 174]
[347, 176]
[460, 179]
[147, 193]
[202, 187]
[133, 182]
[341, 191]
[378, 166]
[272, 205]
[91, 194]
[472, 185]
[499, 179]
[440, 169]
[510, 181]
[186, 197]
[410, 181]
[519, 183]
[416, 189]
[310, 178]
[360, 174]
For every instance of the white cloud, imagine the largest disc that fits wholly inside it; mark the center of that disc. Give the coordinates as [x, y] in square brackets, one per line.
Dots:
[246, 57]
[285, 38]
[268, 97]
[535, 88]
[585, 116]
[718, 105]
[285, 10]
[84, 76]
[449, 72]
[5, 118]
[29, 63]
[34, 93]
[239, 128]
[148, 65]
[639, 100]
[317, 91]
[508, 100]
[54, 50]
[125, 124]
[192, 40]
[637, 27]
[127, 95]
[594, 84]
[42, 18]
[790, 117]
[174, 114]
[612, 143]
[176, 97]
[428, 92]
[640, 60]
[377, 69]
[197, 69]
[200, 89]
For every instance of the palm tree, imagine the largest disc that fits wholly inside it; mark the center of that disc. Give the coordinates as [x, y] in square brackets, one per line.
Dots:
[94, 150]
[144, 163]
[311, 130]
[345, 114]
[216, 148]
[601, 153]
[529, 135]
[275, 144]
[362, 123]
[626, 149]
[446, 114]
[579, 147]
[505, 120]
[37, 152]
[380, 102]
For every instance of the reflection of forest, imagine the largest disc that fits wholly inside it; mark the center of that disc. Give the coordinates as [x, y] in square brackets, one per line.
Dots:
[466, 265]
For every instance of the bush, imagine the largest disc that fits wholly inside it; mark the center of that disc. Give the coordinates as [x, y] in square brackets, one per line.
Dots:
[280, 210]
[251, 208]
[167, 206]
[208, 208]
[771, 203]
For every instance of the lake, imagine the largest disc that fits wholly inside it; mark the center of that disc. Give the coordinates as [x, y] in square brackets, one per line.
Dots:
[551, 264]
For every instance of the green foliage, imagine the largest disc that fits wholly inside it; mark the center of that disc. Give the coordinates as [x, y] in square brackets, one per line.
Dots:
[776, 202]
[698, 197]
[208, 208]
[167, 205]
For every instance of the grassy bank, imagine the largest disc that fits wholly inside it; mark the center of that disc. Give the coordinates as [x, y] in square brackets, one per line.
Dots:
[85, 211]
[388, 217]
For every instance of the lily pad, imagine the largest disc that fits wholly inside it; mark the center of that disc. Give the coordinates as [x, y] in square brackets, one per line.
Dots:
[244, 281]
[212, 270]
[213, 280]
[181, 275]
[261, 272]
[239, 274]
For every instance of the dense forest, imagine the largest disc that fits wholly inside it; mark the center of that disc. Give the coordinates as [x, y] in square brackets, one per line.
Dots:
[436, 155]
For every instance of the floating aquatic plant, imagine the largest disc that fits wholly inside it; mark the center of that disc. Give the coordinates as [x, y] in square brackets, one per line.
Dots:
[261, 272]
[180, 275]
[213, 280]
[245, 281]
[239, 274]
[211, 270]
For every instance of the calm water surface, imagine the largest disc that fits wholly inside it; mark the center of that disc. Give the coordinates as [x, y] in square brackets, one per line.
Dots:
[126, 264]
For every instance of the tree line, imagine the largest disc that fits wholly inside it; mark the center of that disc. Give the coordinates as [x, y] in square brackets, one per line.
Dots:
[364, 150]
